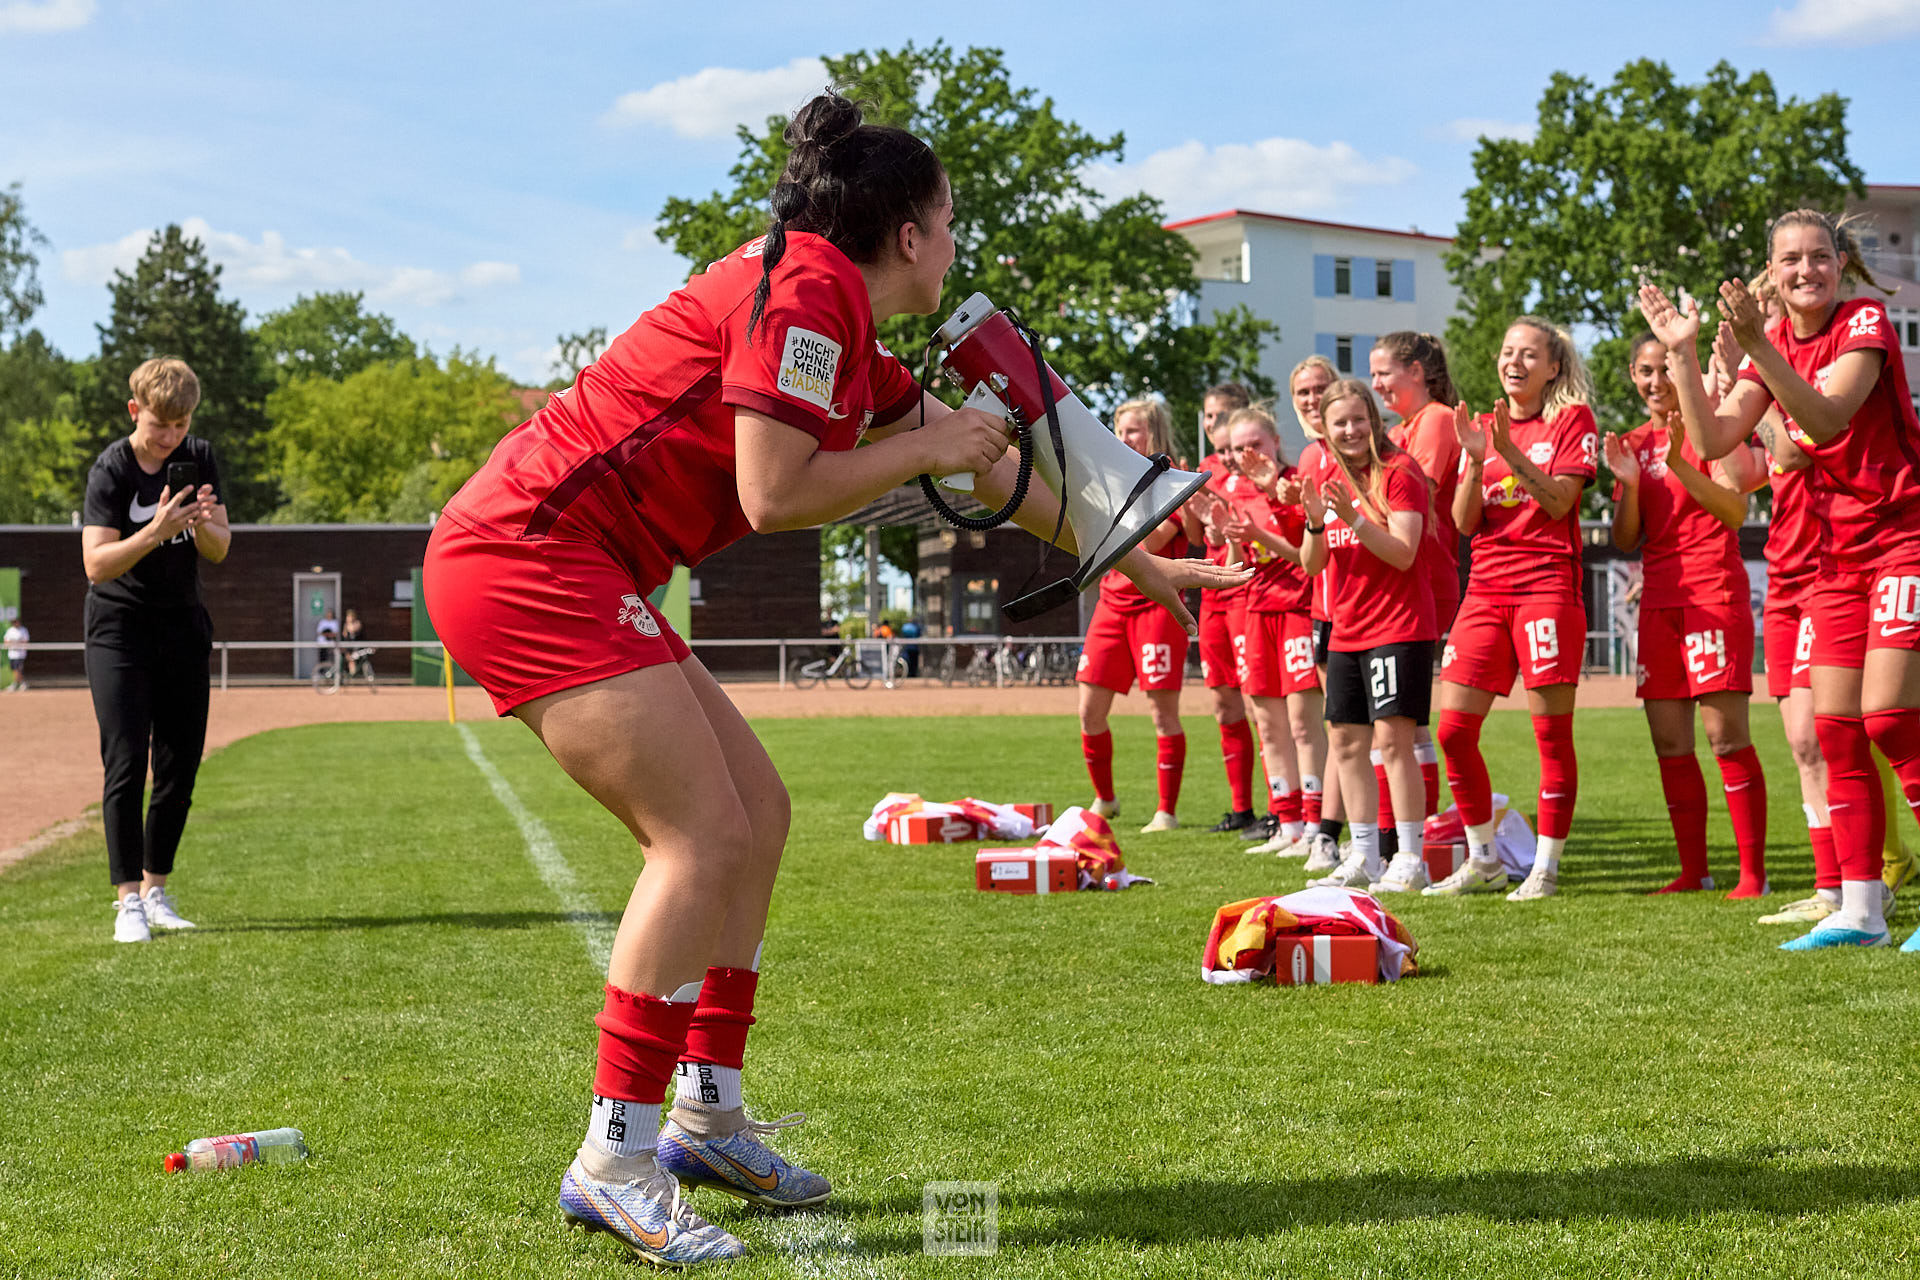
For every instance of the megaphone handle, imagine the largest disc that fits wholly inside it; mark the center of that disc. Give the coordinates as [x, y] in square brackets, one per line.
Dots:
[960, 480]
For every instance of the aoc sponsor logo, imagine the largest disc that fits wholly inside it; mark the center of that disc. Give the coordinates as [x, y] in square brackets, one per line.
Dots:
[634, 612]
[1865, 323]
[808, 367]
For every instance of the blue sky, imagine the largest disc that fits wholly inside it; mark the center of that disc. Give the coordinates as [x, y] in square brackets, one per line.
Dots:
[489, 174]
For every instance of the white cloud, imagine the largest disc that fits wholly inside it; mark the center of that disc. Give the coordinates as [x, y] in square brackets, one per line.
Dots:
[710, 102]
[1474, 128]
[1280, 175]
[639, 239]
[1844, 22]
[38, 17]
[270, 263]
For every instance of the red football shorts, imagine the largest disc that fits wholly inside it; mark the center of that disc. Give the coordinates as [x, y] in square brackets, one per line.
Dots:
[1788, 637]
[1541, 639]
[1695, 650]
[1445, 580]
[1223, 630]
[1854, 611]
[527, 618]
[1120, 646]
[1279, 655]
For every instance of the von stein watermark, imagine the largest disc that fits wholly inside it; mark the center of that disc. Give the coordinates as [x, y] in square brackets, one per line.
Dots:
[961, 1218]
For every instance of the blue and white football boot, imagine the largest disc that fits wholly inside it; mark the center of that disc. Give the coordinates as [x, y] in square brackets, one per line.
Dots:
[723, 1150]
[1838, 931]
[647, 1215]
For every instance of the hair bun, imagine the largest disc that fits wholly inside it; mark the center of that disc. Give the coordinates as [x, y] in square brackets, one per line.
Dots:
[825, 120]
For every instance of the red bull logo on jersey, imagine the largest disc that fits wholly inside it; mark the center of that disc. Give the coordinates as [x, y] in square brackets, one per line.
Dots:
[1504, 492]
[634, 612]
[808, 366]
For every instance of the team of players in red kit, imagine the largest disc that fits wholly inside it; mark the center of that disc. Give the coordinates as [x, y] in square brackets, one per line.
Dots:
[1355, 550]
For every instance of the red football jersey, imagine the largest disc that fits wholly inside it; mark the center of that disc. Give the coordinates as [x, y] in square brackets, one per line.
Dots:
[1867, 478]
[1117, 591]
[1795, 536]
[1518, 551]
[638, 455]
[1320, 588]
[1428, 436]
[1688, 558]
[1374, 603]
[1278, 584]
[1225, 484]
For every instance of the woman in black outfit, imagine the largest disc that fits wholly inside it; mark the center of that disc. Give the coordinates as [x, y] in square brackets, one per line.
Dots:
[151, 514]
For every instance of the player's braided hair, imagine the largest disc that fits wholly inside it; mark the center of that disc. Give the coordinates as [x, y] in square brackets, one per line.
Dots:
[852, 183]
[1408, 347]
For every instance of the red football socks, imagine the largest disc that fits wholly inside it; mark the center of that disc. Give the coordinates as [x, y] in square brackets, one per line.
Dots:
[1826, 863]
[642, 1037]
[1386, 792]
[1459, 737]
[1746, 787]
[1559, 774]
[1098, 749]
[1686, 791]
[1236, 751]
[1310, 801]
[1172, 764]
[718, 1033]
[1897, 734]
[1856, 806]
[1430, 778]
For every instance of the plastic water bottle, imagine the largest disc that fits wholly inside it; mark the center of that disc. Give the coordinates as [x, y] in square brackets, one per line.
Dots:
[268, 1146]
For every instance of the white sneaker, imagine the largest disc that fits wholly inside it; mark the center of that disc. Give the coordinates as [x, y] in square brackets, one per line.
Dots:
[1323, 855]
[1405, 874]
[160, 912]
[1104, 808]
[1540, 883]
[1282, 846]
[130, 919]
[1356, 872]
[1161, 821]
[1471, 877]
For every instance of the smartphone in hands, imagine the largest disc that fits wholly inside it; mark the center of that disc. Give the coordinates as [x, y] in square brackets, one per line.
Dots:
[182, 477]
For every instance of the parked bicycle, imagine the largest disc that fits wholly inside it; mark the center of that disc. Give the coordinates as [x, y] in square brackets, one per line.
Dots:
[849, 664]
[335, 667]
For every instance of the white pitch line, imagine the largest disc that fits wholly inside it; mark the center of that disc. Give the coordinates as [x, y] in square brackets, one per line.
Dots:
[546, 857]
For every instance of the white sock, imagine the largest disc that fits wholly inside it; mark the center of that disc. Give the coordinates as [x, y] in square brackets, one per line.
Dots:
[1309, 782]
[1829, 896]
[1546, 853]
[1860, 904]
[1366, 844]
[1425, 753]
[1411, 839]
[1293, 830]
[714, 1087]
[621, 1128]
[1480, 843]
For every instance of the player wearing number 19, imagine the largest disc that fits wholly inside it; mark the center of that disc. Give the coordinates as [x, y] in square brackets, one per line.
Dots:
[1522, 471]
[1696, 628]
[1833, 366]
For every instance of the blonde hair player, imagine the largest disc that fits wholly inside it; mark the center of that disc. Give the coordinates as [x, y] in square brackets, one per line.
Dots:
[1523, 468]
[1834, 367]
[1129, 638]
[1320, 797]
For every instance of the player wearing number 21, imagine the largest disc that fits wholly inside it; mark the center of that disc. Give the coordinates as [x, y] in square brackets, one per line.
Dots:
[1522, 469]
[1696, 627]
[1832, 365]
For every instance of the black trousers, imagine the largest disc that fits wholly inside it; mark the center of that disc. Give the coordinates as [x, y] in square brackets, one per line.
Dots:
[150, 689]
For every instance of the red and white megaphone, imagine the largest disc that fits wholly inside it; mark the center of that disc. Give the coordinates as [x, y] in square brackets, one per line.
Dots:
[1113, 497]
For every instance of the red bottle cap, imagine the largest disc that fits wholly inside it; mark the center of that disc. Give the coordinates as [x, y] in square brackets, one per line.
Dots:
[176, 1162]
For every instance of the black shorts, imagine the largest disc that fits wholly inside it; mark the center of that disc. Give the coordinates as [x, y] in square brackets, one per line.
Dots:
[1375, 684]
[1322, 637]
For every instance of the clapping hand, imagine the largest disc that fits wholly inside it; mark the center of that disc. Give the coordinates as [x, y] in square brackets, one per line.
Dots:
[1622, 461]
[1339, 500]
[1500, 432]
[1674, 329]
[1312, 503]
[1260, 469]
[1744, 316]
[1467, 431]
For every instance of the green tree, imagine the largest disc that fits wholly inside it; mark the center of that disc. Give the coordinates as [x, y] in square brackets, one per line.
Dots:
[33, 379]
[391, 442]
[1645, 178]
[577, 351]
[20, 294]
[328, 335]
[43, 469]
[171, 305]
[1103, 281]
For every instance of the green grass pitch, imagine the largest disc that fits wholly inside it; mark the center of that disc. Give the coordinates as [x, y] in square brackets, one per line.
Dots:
[1598, 1085]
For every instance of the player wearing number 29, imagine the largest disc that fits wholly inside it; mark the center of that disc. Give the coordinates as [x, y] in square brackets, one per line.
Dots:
[1696, 627]
[1129, 637]
[735, 405]
[1522, 471]
[1832, 365]
[1367, 505]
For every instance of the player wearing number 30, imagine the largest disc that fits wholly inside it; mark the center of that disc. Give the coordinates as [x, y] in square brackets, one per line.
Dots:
[1696, 627]
[1130, 637]
[1833, 366]
[1522, 471]
[1367, 506]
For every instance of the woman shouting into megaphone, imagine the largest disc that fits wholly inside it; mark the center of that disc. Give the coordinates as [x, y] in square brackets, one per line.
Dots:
[733, 406]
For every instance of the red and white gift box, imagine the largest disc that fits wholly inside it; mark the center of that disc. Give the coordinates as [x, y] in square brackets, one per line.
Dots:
[1301, 960]
[1041, 869]
[1443, 858]
[1042, 814]
[933, 828]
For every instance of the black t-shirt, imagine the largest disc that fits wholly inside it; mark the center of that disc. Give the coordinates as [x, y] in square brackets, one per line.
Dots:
[122, 497]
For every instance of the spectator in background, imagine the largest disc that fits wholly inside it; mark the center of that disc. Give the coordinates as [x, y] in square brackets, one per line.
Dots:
[16, 656]
[910, 630]
[350, 631]
[147, 633]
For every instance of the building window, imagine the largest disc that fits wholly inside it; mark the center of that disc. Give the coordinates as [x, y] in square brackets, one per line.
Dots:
[980, 606]
[1343, 353]
[1906, 326]
[1343, 277]
[1383, 278]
